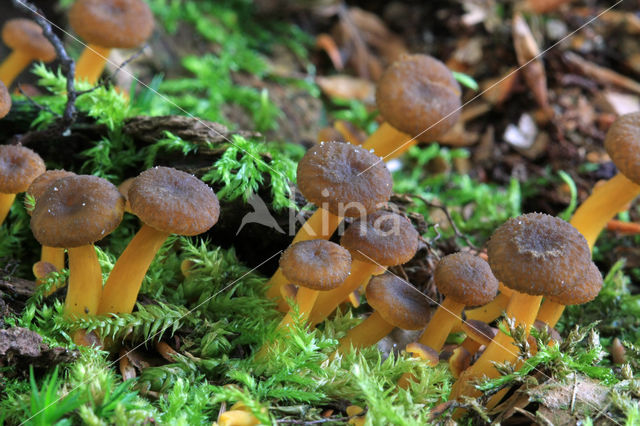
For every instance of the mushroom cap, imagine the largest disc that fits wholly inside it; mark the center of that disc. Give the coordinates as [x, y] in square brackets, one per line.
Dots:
[26, 35]
[424, 352]
[623, 145]
[398, 302]
[173, 201]
[19, 166]
[479, 331]
[5, 100]
[76, 211]
[42, 182]
[466, 279]
[345, 179]
[112, 23]
[585, 289]
[316, 264]
[538, 254]
[419, 96]
[381, 237]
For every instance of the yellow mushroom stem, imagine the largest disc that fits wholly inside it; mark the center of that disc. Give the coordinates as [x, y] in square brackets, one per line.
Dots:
[85, 286]
[346, 132]
[237, 418]
[53, 255]
[322, 224]
[13, 65]
[388, 142]
[590, 219]
[367, 333]
[6, 201]
[471, 345]
[328, 301]
[523, 308]
[91, 63]
[305, 299]
[489, 312]
[440, 325]
[122, 286]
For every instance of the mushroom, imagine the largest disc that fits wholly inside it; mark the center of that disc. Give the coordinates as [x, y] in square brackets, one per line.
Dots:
[5, 100]
[622, 143]
[395, 304]
[585, 290]
[376, 241]
[425, 353]
[74, 213]
[419, 100]
[459, 361]
[478, 334]
[52, 255]
[25, 38]
[106, 25]
[167, 201]
[534, 254]
[19, 166]
[314, 266]
[342, 180]
[465, 280]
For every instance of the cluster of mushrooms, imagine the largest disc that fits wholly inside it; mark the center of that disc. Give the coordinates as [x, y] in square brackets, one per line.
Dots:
[535, 264]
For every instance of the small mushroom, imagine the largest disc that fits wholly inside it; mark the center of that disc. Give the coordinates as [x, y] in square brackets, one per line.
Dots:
[19, 166]
[459, 361]
[465, 280]
[395, 304]
[425, 353]
[478, 334]
[5, 100]
[342, 180]
[106, 25]
[622, 143]
[28, 44]
[419, 100]
[167, 201]
[314, 266]
[377, 241]
[74, 213]
[53, 255]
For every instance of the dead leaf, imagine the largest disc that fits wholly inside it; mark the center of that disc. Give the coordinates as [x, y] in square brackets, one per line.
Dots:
[603, 75]
[347, 87]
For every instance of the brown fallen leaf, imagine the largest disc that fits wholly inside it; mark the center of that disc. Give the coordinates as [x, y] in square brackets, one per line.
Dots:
[347, 87]
[499, 89]
[603, 75]
[328, 44]
[127, 370]
[527, 52]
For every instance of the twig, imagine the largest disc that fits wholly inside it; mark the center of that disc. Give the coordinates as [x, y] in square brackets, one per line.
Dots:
[36, 104]
[449, 219]
[66, 63]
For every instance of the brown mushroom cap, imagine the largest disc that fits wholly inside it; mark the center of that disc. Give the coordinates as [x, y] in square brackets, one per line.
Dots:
[316, 264]
[538, 254]
[382, 237]
[26, 35]
[466, 279]
[346, 179]
[173, 201]
[42, 182]
[586, 288]
[112, 23]
[479, 331]
[19, 166]
[397, 302]
[5, 100]
[76, 211]
[416, 93]
[424, 352]
[623, 145]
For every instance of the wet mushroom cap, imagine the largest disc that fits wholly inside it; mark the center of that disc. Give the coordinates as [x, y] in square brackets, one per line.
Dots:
[5, 100]
[622, 143]
[398, 302]
[173, 201]
[382, 237]
[19, 166]
[76, 211]
[419, 96]
[345, 179]
[316, 264]
[466, 278]
[538, 254]
[112, 23]
[584, 290]
[26, 35]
